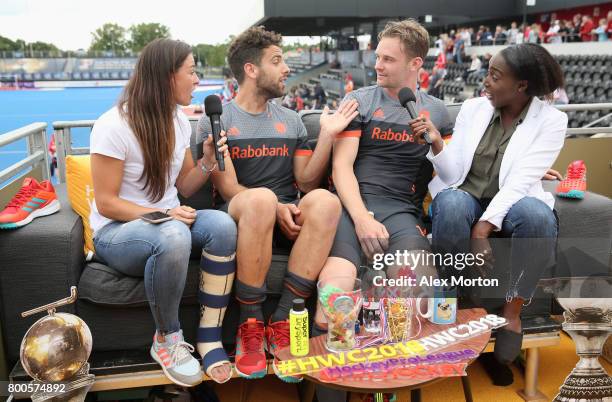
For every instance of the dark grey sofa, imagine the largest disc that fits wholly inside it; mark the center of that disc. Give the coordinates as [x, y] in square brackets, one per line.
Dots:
[39, 263]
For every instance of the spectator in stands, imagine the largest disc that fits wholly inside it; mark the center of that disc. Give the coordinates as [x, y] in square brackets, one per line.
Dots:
[500, 36]
[485, 61]
[520, 36]
[487, 37]
[52, 155]
[439, 44]
[229, 89]
[270, 162]
[479, 34]
[304, 91]
[552, 35]
[472, 36]
[423, 79]
[534, 34]
[564, 30]
[459, 48]
[576, 26]
[449, 47]
[609, 29]
[466, 36]
[474, 67]
[586, 29]
[477, 196]
[513, 33]
[320, 96]
[435, 84]
[349, 85]
[289, 99]
[140, 159]
[602, 30]
[299, 102]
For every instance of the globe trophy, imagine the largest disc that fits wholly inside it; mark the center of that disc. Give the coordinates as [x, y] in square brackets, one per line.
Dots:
[55, 350]
[587, 302]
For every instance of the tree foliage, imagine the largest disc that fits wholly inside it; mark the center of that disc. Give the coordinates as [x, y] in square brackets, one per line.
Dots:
[142, 34]
[109, 37]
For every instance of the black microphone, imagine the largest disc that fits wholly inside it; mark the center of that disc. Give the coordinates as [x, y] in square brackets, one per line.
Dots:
[213, 109]
[408, 100]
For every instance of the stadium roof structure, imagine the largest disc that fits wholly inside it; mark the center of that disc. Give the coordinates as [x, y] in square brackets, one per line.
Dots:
[323, 17]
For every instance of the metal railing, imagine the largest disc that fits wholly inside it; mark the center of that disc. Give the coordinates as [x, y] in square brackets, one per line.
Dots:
[63, 143]
[587, 129]
[36, 138]
[37, 151]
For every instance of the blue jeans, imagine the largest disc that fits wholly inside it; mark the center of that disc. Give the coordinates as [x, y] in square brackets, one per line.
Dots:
[160, 253]
[530, 224]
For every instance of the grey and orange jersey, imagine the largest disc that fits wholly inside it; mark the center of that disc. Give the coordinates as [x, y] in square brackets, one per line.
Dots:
[390, 162]
[262, 146]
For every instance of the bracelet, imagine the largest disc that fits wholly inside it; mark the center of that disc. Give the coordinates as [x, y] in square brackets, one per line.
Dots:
[206, 170]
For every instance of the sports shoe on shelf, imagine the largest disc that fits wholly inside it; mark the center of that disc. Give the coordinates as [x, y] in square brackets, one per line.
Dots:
[176, 360]
[250, 360]
[33, 200]
[277, 337]
[574, 184]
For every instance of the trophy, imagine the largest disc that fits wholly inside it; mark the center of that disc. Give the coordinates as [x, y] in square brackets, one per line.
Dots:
[587, 302]
[55, 349]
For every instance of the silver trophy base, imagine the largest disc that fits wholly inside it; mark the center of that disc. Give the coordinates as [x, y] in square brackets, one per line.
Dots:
[588, 381]
[76, 390]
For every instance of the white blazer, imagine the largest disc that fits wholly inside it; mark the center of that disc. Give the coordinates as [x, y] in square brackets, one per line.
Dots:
[531, 151]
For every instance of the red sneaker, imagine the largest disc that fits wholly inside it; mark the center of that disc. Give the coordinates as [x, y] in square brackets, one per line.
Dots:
[277, 337]
[33, 200]
[574, 184]
[250, 355]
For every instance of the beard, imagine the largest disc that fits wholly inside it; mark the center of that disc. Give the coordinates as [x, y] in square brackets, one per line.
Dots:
[268, 88]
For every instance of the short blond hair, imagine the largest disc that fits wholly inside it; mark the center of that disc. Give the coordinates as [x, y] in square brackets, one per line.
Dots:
[414, 36]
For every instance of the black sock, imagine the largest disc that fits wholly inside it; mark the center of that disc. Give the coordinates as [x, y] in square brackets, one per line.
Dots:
[500, 374]
[294, 287]
[250, 299]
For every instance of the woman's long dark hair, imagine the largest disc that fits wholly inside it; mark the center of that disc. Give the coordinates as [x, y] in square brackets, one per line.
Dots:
[148, 105]
[533, 63]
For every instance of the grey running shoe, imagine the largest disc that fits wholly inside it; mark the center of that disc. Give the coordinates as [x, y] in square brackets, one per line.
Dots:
[174, 357]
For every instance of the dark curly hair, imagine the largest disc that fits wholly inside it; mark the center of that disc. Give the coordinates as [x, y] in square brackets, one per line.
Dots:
[248, 47]
[533, 63]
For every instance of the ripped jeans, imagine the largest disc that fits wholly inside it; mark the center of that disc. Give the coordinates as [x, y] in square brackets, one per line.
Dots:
[160, 253]
[530, 225]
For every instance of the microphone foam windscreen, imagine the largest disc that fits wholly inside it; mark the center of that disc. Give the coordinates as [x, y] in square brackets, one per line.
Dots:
[406, 95]
[212, 105]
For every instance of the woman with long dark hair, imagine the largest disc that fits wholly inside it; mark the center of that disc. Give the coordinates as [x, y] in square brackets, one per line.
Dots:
[488, 181]
[140, 159]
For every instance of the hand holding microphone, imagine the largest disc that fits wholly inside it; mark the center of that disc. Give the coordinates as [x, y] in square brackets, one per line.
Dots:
[213, 109]
[422, 127]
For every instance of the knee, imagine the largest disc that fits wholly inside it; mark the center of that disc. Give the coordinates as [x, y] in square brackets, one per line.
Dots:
[223, 233]
[322, 208]
[174, 242]
[259, 208]
[533, 218]
[336, 266]
[451, 205]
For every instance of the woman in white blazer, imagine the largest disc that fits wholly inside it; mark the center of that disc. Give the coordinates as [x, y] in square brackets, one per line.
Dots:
[488, 181]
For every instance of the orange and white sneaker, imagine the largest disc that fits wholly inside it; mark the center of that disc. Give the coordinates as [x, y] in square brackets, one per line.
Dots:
[277, 338]
[250, 356]
[574, 184]
[33, 200]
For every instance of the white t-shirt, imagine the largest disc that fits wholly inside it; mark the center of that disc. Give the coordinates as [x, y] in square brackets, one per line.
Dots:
[111, 136]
